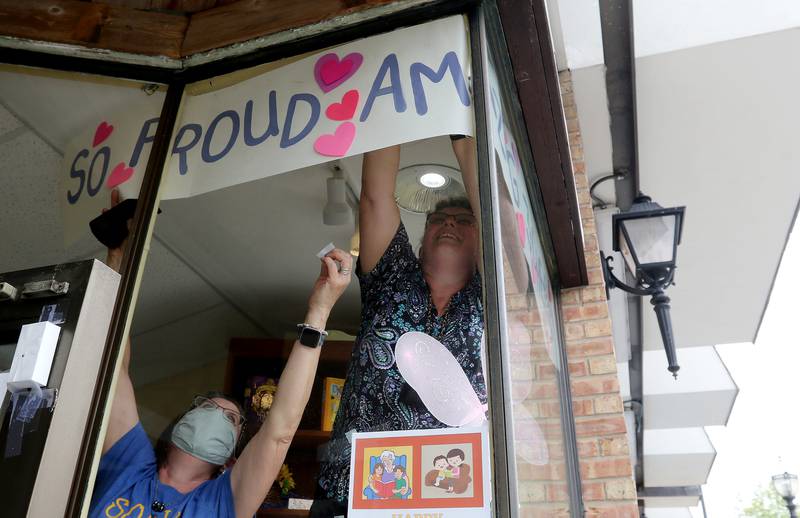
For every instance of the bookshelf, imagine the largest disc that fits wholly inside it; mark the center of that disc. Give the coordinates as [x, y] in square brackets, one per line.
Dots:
[249, 357]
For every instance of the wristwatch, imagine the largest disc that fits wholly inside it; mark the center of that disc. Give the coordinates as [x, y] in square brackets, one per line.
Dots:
[310, 336]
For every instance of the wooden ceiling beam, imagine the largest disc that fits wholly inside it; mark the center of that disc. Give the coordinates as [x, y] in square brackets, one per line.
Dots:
[248, 19]
[94, 25]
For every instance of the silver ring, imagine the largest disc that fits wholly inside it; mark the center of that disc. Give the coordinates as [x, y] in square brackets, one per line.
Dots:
[345, 271]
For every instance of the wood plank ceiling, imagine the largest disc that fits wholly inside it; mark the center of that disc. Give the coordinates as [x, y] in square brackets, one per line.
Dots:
[171, 28]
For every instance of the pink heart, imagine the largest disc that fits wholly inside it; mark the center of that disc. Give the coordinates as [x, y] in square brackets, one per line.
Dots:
[119, 175]
[330, 72]
[338, 143]
[521, 229]
[101, 133]
[344, 110]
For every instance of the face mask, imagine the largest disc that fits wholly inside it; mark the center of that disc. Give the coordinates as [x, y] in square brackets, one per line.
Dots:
[205, 433]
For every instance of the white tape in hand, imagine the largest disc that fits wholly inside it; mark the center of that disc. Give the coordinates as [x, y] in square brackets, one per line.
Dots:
[325, 250]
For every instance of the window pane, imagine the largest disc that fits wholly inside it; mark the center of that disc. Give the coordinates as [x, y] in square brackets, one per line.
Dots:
[531, 328]
[61, 152]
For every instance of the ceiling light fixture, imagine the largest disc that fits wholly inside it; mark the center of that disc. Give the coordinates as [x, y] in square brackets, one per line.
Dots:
[420, 187]
[433, 180]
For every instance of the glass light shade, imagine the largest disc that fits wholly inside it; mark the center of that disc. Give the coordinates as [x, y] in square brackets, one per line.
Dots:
[433, 180]
[420, 187]
[647, 235]
[786, 485]
[652, 239]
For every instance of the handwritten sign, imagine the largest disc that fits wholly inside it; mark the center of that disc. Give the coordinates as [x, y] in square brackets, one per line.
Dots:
[421, 474]
[402, 86]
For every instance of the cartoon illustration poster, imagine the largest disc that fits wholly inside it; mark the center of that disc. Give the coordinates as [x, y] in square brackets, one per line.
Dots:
[420, 473]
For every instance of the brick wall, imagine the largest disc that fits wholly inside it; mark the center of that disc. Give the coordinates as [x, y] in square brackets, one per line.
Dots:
[608, 487]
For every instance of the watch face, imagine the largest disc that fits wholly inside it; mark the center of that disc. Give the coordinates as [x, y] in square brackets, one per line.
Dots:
[309, 337]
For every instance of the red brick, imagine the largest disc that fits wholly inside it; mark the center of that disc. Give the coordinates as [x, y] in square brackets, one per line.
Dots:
[604, 467]
[630, 510]
[583, 407]
[595, 328]
[544, 391]
[595, 277]
[610, 446]
[593, 294]
[572, 313]
[573, 331]
[571, 296]
[596, 426]
[577, 368]
[621, 489]
[595, 385]
[584, 348]
[557, 493]
[593, 491]
[588, 447]
[606, 364]
[590, 242]
[592, 260]
[532, 491]
[610, 404]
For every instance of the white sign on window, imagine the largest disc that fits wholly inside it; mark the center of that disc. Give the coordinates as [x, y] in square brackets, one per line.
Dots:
[406, 85]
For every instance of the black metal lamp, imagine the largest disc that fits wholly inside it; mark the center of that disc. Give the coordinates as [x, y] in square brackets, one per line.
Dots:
[648, 235]
[786, 485]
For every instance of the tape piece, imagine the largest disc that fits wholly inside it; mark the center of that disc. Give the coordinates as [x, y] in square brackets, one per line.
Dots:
[23, 413]
[325, 250]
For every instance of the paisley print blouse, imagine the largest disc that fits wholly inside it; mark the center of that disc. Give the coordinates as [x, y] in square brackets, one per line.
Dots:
[395, 299]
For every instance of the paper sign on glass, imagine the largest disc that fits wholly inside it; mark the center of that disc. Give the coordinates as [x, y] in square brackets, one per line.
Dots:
[420, 474]
[402, 86]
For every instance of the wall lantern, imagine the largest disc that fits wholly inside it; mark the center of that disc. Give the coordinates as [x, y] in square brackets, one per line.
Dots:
[786, 486]
[648, 235]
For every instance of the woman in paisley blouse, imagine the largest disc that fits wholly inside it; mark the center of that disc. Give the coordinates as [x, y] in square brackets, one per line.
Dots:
[438, 293]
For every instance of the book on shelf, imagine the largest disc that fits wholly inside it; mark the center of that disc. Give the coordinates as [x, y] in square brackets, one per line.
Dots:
[331, 396]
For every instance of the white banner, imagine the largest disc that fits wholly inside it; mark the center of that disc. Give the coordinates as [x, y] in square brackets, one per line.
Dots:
[402, 86]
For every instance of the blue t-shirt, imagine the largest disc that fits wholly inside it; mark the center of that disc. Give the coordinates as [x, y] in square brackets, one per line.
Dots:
[127, 484]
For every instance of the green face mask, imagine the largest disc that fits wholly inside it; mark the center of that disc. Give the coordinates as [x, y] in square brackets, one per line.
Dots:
[207, 434]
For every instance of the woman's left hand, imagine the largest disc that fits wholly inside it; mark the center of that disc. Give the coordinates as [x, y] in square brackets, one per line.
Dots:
[331, 282]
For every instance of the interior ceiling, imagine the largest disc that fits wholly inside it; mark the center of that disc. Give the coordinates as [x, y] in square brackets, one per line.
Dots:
[173, 6]
[235, 262]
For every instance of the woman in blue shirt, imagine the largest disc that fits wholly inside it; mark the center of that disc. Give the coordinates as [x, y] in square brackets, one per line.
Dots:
[187, 482]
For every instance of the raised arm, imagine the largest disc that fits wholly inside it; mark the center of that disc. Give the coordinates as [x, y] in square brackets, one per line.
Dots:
[124, 415]
[466, 154]
[378, 215]
[257, 467]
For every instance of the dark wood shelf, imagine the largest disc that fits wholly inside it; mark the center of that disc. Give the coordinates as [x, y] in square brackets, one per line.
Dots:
[254, 358]
[310, 438]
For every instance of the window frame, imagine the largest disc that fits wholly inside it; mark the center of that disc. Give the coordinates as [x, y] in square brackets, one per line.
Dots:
[484, 28]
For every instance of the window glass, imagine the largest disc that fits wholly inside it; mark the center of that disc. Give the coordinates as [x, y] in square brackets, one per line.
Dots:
[60, 157]
[531, 326]
[268, 167]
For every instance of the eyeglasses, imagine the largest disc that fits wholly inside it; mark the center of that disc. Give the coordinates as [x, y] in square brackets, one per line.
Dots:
[233, 416]
[439, 218]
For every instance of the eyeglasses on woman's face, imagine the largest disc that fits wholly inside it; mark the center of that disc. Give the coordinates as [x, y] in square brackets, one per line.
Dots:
[462, 219]
[231, 415]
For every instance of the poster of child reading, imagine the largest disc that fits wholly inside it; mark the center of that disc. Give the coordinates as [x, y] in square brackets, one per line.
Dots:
[387, 470]
[414, 472]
